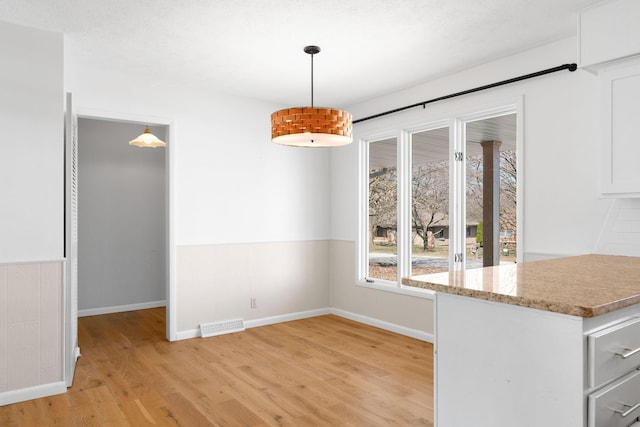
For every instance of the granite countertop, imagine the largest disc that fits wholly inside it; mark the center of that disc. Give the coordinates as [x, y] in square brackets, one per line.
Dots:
[584, 286]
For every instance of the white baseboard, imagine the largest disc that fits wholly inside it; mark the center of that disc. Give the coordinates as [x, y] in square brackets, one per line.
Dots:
[36, 392]
[286, 317]
[402, 330]
[387, 326]
[254, 323]
[121, 308]
[539, 256]
[187, 334]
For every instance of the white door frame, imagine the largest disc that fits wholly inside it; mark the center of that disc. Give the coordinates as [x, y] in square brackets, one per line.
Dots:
[171, 320]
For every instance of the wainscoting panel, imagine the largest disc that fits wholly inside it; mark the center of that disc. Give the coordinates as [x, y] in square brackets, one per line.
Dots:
[30, 325]
[4, 342]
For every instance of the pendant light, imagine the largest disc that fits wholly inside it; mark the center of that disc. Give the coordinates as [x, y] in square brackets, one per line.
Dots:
[311, 126]
[147, 139]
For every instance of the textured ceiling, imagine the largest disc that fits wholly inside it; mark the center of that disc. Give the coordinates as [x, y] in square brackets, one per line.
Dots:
[253, 48]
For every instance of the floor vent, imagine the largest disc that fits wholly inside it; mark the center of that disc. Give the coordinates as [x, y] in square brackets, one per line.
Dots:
[219, 328]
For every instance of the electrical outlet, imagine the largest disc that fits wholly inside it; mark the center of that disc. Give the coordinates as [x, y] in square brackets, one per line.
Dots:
[253, 303]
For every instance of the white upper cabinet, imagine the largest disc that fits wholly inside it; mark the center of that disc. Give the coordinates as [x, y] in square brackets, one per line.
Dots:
[609, 45]
[620, 173]
[608, 31]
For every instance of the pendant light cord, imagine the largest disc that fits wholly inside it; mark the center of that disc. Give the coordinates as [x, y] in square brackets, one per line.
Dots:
[312, 80]
[311, 50]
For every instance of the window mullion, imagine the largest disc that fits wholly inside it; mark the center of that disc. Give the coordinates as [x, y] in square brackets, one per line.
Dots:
[457, 252]
[404, 204]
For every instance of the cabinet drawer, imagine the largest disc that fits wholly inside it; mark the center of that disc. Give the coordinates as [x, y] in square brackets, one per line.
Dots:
[616, 405]
[613, 352]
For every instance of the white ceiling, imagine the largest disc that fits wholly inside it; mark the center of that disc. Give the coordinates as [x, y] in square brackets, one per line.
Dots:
[253, 48]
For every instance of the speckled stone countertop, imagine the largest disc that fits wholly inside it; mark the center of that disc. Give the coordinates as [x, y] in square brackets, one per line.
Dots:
[584, 286]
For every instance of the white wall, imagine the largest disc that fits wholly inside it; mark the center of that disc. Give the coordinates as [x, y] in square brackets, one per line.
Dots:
[563, 211]
[31, 213]
[232, 187]
[232, 184]
[621, 234]
[409, 315]
[31, 161]
[121, 222]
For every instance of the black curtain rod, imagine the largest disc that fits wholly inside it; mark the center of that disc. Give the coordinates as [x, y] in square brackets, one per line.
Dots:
[570, 67]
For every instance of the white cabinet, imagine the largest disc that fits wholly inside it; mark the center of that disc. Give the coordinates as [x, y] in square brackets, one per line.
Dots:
[614, 375]
[609, 44]
[617, 405]
[501, 365]
[613, 352]
[620, 174]
[608, 31]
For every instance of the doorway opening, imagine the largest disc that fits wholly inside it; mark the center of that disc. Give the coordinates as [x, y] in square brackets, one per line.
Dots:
[122, 242]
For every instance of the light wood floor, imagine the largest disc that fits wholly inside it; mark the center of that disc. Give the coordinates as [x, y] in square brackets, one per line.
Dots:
[323, 371]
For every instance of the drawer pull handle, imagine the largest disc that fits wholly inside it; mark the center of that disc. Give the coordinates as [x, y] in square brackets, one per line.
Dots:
[628, 411]
[628, 352]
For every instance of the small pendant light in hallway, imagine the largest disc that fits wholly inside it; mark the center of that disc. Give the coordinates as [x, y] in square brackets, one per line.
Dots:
[147, 139]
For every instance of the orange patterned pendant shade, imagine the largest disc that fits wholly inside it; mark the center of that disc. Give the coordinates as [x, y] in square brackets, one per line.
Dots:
[311, 126]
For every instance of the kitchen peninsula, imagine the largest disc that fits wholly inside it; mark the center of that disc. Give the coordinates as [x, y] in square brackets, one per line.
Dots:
[544, 343]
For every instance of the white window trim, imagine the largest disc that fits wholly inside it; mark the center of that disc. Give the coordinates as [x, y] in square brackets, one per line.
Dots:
[456, 124]
[460, 122]
[363, 212]
[404, 191]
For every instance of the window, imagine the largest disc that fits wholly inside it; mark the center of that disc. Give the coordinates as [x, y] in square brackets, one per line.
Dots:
[440, 197]
[430, 201]
[491, 190]
[383, 209]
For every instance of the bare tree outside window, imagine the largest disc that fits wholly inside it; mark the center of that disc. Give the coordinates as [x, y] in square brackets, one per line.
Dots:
[508, 191]
[383, 210]
[426, 203]
[383, 195]
[429, 200]
[429, 205]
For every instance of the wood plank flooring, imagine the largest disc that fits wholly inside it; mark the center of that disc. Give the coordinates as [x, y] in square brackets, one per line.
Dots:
[323, 371]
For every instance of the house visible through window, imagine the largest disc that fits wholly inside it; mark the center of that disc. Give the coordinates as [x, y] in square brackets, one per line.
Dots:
[383, 210]
[430, 201]
[440, 198]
